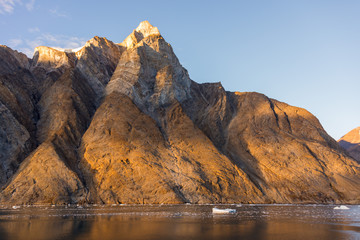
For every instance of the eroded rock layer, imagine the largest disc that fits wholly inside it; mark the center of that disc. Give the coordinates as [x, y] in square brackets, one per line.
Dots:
[124, 123]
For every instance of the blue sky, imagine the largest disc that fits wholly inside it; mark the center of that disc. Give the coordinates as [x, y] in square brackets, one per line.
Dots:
[304, 53]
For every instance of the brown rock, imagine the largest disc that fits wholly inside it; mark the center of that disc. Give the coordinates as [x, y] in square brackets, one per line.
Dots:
[44, 178]
[11, 61]
[351, 143]
[50, 174]
[123, 123]
[53, 58]
[127, 159]
[283, 149]
[17, 117]
[149, 72]
[97, 61]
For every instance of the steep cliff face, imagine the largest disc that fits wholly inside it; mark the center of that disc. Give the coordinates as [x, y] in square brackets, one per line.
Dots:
[97, 61]
[283, 149]
[351, 142]
[49, 174]
[18, 94]
[149, 72]
[124, 123]
[127, 159]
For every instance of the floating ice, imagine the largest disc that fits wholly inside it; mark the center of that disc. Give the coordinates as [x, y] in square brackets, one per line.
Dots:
[342, 207]
[223, 211]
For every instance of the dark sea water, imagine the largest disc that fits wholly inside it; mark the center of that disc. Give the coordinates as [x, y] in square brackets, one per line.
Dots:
[180, 222]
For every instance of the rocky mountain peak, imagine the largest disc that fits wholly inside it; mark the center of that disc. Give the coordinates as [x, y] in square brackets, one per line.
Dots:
[351, 142]
[84, 125]
[10, 58]
[149, 72]
[100, 43]
[352, 137]
[97, 60]
[97, 41]
[144, 30]
[53, 58]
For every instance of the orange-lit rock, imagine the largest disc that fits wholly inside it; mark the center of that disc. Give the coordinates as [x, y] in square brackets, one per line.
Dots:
[53, 58]
[124, 123]
[351, 142]
[127, 158]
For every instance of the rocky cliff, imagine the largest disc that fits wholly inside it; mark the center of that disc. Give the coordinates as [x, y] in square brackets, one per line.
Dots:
[124, 123]
[351, 142]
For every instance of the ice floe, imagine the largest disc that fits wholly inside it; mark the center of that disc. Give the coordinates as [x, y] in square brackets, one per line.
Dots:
[223, 211]
[342, 207]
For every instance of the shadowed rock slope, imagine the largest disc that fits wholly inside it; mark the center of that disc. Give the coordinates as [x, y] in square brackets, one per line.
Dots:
[124, 123]
[351, 142]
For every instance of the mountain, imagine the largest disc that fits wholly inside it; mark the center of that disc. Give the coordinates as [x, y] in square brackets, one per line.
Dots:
[351, 142]
[124, 123]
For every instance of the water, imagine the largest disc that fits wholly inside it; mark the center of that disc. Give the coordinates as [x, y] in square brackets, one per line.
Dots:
[180, 222]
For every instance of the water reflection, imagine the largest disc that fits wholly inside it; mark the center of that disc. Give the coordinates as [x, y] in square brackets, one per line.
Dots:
[180, 222]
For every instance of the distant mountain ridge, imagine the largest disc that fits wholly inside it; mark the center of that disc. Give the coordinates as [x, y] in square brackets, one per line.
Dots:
[351, 142]
[124, 123]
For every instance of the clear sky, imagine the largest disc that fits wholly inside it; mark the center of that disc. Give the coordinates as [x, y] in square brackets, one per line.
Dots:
[302, 52]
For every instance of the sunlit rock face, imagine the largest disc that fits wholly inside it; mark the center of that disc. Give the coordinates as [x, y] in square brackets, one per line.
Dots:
[124, 123]
[52, 58]
[351, 142]
[97, 61]
[149, 72]
[283, 149]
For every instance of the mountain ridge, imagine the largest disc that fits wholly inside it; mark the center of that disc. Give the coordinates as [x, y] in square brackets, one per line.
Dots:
[351, 143]
[124, 123]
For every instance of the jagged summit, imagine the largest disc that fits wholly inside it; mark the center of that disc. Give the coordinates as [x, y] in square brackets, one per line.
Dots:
[144, 30]
[52, 58]
[97, 41]
[351, 142]
[149, 72]
[147, 29]
[124, 123]
[9, 58]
